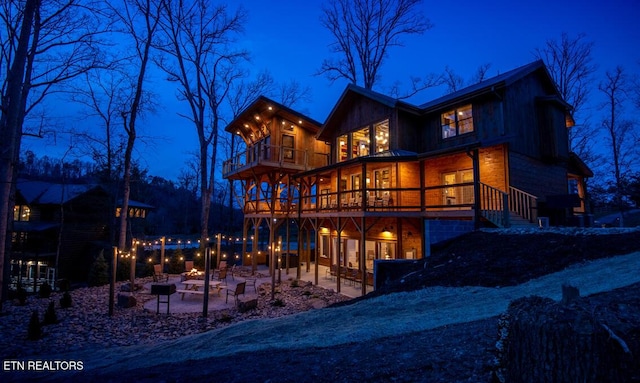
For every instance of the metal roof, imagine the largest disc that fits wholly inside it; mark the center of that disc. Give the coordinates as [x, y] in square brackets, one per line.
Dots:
[46, 193]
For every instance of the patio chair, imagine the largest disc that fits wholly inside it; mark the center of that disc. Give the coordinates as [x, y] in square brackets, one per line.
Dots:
[188, 266]
[235, 270]
[222, 276]
[330, 272]
[252, 281]
[239, 290]
[159, 275]
[222, 266]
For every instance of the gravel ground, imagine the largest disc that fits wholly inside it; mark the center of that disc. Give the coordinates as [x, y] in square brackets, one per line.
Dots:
[462, 352]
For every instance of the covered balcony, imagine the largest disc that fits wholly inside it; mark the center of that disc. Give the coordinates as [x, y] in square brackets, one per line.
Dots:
[261, 157]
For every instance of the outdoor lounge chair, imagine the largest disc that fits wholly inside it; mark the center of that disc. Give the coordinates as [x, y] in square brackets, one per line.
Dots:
[239, 290]
[159, 275]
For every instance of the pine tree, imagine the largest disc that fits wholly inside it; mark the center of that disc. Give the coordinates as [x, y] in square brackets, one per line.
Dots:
[99, 272]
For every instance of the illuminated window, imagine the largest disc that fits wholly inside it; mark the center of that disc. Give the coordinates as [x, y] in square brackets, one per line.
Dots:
[457, 121]
[21, 213]
[360, 142]
[343, 153]
[382, 136]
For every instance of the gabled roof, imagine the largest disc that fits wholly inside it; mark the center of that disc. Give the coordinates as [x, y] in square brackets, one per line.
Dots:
[351, 92]
[47, 193]
[578, 167]
[262, 108]
[138, 204]
[504, 79]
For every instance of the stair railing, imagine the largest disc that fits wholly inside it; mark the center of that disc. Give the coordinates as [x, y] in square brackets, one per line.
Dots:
[523, 204]
[493, 203]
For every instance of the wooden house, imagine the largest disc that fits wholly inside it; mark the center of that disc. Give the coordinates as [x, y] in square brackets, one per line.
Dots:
[50, 219]
[398, 177]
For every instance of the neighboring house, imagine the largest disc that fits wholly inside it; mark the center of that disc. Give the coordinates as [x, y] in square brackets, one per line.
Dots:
[67, 221]
[400, 177]
[47, 213]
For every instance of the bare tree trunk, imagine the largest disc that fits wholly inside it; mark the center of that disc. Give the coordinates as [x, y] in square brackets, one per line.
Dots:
[547, 341]
[126, 190]
[11, 133]
[205, 192]
[150, 23]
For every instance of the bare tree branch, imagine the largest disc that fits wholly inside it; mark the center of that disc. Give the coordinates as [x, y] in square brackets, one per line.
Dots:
[363, 32]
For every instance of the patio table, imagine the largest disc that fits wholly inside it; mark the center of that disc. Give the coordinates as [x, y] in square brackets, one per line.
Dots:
[193, 286]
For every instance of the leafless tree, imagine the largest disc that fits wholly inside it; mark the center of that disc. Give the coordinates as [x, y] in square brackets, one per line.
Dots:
[292, 93]
[102, 95]
[204, 64]
[481, 73]
[44, 45]
[139, 21]
[453, 81]
[570, 63]
[619, 132]
[363, 32]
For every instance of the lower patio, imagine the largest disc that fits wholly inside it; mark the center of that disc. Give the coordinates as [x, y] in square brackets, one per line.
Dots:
[193, 303]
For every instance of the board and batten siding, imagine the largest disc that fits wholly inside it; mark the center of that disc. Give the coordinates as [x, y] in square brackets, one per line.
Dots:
[536, 177]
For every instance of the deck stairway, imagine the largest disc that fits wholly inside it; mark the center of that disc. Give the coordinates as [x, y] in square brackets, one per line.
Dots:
[521, 207]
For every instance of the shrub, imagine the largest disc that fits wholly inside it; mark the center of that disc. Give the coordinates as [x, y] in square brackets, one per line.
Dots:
[176, 266]
[65, 301]
[99, 272]
[50, 316]
[45, 290]
[34, 331]
[123, 272]
[278, 303]
[21, 294]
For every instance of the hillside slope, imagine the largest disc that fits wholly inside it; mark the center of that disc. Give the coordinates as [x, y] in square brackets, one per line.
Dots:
[432, 334]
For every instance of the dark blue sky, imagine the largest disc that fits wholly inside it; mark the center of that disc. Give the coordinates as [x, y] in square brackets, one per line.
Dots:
[286, 38]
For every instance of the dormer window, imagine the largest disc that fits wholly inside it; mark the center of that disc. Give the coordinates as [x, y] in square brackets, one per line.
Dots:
[457, 121]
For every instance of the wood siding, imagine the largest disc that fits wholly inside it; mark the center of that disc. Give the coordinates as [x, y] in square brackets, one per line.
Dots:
[535, 177]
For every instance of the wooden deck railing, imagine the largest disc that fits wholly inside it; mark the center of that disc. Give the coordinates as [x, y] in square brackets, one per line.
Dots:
[493, 205]
[523, 204]
[273, 155]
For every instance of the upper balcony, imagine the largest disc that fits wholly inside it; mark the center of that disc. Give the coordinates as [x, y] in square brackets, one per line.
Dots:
[261, 157]
[276, 138]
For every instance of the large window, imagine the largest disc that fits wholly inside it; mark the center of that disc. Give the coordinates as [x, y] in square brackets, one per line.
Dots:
[358, 143]
[382, 136]
[343, 153]
[457, 121]
[381, 179]
[456, 195]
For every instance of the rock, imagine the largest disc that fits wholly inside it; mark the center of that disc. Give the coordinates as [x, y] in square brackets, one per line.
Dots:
[251, 304]
[126, 301]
